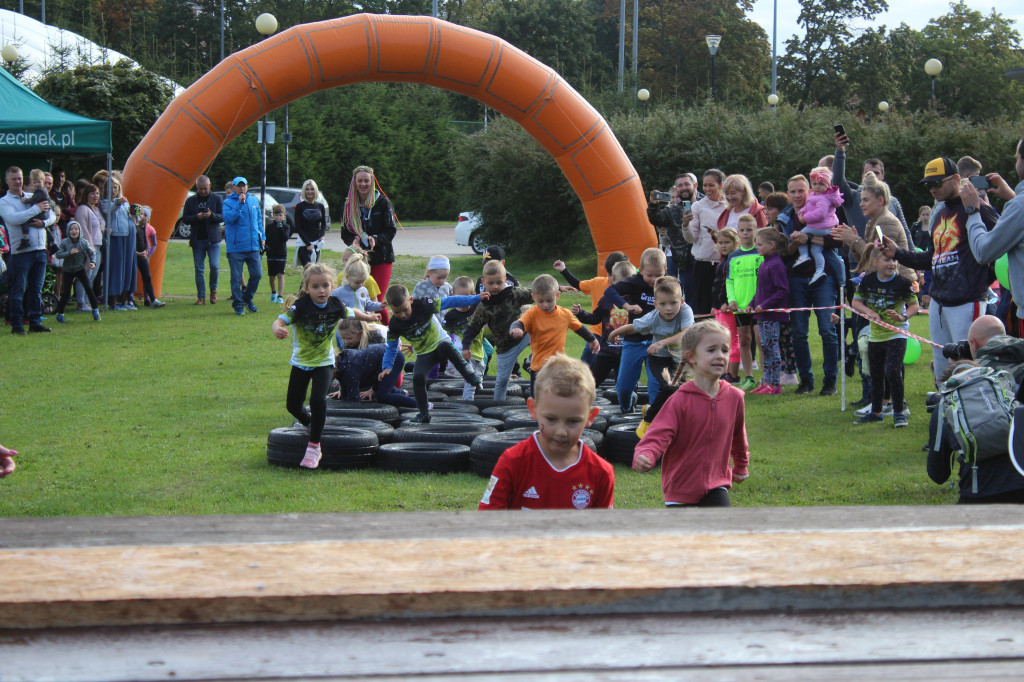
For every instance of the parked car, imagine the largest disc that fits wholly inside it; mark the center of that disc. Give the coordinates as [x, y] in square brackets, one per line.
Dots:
[286, 196]
[468, 232]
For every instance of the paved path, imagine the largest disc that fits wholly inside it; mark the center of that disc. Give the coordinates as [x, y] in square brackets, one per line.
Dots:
[426, 241]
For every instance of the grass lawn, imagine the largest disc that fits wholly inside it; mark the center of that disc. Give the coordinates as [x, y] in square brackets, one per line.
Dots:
[167, 412]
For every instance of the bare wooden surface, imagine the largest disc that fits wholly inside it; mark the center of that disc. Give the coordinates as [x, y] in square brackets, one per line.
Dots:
[981, 644]
[504, 564]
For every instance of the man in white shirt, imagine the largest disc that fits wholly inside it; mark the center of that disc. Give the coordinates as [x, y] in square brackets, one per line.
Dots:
[28, 263]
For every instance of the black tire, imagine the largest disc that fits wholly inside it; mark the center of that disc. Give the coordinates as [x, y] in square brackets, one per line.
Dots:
[520, 434]
[600, 423]
[459, 433]
[344, 448]
[633, 418]
[457, 422]
[364, 410]
[434, 458]
[448, 387]
[519, 419]
[596, 437]
[487, 448]
[478, 242]
[601, 400]
[511, 391]
[619, 442]
[483, 403]
[382, 430]
[499, 411]
[437, 396]
[641, 396]
[444, 408]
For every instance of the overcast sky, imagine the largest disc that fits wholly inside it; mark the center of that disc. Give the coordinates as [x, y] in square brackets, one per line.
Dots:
[912, 12]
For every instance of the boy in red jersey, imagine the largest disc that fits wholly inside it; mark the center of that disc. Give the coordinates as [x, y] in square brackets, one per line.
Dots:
[553, 468]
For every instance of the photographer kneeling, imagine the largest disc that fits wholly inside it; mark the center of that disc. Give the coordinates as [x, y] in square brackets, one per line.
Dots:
[991, 480]
[992, 347]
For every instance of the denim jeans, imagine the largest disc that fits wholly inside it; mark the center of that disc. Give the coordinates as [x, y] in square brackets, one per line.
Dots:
[26, 272]
[506, 361]
[241, 296]
[803, 294]
[200, 251]
[634, 353]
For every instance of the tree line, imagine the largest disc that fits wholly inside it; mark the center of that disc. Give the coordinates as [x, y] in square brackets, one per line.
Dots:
[410, 135]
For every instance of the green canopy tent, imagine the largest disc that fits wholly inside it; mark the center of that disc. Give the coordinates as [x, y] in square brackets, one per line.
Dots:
[32, 130]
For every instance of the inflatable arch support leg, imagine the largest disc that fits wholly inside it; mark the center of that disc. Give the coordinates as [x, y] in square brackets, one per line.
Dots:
[186, 139]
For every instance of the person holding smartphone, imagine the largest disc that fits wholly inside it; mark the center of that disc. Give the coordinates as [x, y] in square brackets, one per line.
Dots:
[245, 239]
[700, 225]
[851, 191]
[667, 218]
[203, 212]
[1006, 236]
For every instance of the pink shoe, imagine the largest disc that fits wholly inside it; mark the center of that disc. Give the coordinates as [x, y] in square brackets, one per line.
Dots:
[771, 390]
[312, 458]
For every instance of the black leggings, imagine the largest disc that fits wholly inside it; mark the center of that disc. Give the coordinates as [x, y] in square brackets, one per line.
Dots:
[68, 283]
[444, 351]
[147, 282]
[716, 497]
[885, 359]
[657, 363]
[298, 382]
[603, 365]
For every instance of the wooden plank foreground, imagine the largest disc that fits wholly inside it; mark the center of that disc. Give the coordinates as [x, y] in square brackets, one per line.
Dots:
[900, 593]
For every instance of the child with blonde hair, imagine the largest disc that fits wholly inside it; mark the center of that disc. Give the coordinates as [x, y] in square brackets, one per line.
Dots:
[312, 315]
[553, 468]
[352, 291]
[456, 321]
[819, 216]
[696, 470]
[609, 317]
[546, 323]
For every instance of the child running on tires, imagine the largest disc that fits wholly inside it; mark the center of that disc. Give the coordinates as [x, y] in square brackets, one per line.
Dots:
[547, 323]
[695, 471]
[312, 315]
[553, 468]
[416, 320]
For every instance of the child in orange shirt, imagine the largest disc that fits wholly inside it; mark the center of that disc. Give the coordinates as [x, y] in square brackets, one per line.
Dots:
[594, 288]
[547, 323]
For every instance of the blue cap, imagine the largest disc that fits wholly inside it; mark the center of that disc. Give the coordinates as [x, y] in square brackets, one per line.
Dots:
[239, 181]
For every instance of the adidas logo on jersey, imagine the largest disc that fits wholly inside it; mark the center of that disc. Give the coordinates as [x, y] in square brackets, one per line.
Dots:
[532, 493]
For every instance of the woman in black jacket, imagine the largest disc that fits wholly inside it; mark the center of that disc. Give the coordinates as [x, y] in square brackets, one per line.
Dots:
[369, 218]
[310, 224]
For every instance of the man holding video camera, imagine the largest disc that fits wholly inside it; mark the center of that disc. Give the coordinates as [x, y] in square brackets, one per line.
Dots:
[1007, 236]
[668, 219]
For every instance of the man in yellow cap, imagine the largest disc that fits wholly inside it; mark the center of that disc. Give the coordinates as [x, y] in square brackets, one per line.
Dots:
[959, 289]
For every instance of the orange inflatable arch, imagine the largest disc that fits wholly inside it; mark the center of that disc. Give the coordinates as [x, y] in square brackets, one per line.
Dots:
[235, 94]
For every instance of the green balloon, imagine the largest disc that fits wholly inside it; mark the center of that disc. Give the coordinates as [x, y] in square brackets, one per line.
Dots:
[913, 351]
[1003, 271]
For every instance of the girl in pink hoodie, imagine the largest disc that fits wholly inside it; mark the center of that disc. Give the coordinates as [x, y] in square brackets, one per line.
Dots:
[700, 428]
[819, 216]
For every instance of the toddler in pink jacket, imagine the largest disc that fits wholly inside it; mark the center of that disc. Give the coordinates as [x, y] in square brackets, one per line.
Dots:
[819, 216]
[700, 428]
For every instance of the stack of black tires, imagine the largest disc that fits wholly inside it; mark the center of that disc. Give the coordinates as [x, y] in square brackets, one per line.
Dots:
[461, 435]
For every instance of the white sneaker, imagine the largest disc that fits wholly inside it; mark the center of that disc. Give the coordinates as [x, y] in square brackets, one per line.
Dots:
[312, 458]
[817, 275]
[801, 260]
[886, 410]
[754, 366]
[789, 379]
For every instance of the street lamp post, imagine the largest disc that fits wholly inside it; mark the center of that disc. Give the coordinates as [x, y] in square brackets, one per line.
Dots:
[933, 67]
[266, 24]
[643, 94]
[713, 42]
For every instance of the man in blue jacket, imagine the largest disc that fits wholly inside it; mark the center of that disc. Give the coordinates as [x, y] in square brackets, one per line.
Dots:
[245, 239]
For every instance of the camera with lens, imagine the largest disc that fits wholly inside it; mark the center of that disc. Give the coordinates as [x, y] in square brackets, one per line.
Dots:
[958, 350]
[660, 197]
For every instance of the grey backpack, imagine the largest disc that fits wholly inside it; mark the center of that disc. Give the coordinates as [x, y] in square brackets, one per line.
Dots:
[978, 405]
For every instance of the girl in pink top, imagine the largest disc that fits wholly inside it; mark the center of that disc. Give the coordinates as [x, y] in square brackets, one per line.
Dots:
[819, 217]
[699, 428]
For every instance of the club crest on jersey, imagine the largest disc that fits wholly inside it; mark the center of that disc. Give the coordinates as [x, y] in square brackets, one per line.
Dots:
[582, 496]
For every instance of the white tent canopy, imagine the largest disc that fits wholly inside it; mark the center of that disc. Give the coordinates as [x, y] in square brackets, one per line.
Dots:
[40, 45]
